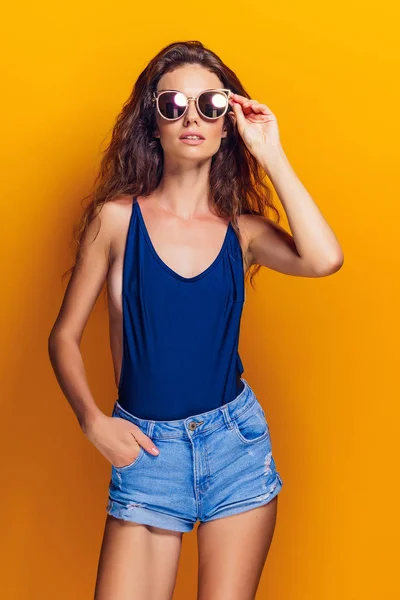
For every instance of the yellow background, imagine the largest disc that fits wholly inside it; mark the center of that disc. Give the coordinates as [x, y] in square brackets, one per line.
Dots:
[321, 354]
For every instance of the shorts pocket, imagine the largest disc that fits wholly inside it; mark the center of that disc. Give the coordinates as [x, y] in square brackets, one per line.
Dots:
[133, 463]
[251, 425]
[121, 415]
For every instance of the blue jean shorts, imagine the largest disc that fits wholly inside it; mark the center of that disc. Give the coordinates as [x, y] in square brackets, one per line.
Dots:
[210, 465]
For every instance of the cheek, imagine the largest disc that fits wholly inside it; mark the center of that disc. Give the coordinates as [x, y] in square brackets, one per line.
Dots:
[169, 134]
[213, 134]
[216, 131]
[168, 130]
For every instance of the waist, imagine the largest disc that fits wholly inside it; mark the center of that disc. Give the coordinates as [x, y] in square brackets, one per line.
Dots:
[195, 424]
[149, 392]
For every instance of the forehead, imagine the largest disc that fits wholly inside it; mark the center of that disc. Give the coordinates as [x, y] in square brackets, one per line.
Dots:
[189, 79]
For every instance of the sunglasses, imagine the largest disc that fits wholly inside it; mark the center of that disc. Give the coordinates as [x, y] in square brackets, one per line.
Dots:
[210, 103]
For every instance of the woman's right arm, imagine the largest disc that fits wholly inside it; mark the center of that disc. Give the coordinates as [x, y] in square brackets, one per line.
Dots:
[84, 287]
[117, 439]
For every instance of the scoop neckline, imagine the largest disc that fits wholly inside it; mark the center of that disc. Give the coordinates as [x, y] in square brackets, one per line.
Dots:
[167, 267]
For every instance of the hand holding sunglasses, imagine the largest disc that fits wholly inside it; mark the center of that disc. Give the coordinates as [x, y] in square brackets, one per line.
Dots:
[256, 124]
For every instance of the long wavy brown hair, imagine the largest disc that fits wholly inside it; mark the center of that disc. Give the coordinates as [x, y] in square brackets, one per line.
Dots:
[132, 163]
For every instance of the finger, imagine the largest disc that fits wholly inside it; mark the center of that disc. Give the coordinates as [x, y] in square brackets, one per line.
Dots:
[269, 111]
[252, 101]
[144, 441]
[247, 102]
[261, 108]
[239, 98]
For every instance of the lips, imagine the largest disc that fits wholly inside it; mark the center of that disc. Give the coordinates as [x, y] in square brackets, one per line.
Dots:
[191, 141]
[196, 133]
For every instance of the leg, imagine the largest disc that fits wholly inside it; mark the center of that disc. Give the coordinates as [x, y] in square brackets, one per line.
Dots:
[232, 553]
[137, 562]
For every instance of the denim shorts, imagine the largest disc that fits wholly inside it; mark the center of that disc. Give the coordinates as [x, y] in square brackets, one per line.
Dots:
[210, 465]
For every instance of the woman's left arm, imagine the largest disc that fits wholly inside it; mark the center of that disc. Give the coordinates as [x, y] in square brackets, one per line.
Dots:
[313, 250]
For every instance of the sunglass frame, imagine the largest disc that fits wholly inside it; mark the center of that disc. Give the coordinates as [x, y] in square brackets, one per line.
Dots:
[226, 91]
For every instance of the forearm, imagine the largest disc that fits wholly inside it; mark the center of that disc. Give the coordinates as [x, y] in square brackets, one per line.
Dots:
[66, 360]
[315, 241]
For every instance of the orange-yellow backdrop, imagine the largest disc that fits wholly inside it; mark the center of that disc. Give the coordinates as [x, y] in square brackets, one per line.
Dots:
[322, 354]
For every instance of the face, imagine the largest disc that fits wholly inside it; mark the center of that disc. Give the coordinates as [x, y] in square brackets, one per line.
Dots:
[191, 80]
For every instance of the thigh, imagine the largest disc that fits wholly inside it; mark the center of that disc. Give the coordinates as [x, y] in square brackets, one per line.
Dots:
[232, 552]
[137, 562]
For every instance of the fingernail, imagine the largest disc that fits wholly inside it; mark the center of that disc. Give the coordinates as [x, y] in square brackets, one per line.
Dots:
[155, 450]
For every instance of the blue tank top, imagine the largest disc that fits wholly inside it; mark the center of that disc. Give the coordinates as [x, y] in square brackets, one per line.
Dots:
[180, 334]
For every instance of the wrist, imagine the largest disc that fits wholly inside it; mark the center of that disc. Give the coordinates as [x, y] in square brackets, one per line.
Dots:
[88, 418]
[271, 157]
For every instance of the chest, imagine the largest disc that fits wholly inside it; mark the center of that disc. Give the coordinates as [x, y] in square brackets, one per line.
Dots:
[158, 262]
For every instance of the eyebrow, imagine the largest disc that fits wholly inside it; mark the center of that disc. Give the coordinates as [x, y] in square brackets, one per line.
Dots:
[170, 89]
[175, 90]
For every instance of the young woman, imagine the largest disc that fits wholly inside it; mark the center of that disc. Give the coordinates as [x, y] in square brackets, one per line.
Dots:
[175, 224]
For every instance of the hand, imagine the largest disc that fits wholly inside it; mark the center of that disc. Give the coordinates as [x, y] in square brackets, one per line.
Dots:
[256, 124]
[118, 440]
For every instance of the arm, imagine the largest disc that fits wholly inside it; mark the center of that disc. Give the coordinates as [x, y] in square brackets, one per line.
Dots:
[115, 438]
[83, 289]
[313, 250]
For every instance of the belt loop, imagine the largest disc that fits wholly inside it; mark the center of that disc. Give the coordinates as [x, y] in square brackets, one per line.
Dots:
[227, 417]
[149, 428]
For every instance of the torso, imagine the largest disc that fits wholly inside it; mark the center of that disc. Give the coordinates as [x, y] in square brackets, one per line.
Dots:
[181, 246]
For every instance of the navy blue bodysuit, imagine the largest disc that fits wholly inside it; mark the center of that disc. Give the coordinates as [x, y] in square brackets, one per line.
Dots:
[180, 334]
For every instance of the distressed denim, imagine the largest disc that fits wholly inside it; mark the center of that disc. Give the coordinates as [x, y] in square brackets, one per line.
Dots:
[210, 465]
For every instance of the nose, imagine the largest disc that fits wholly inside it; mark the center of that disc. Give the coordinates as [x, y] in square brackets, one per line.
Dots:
[191, 114]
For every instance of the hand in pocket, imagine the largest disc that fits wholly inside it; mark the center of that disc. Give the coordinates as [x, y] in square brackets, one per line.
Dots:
[119, 440]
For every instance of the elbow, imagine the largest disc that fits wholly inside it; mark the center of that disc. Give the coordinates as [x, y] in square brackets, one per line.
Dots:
[59, 336]
[337, 262]
[52, 338]
[52, 343]
[330, 267]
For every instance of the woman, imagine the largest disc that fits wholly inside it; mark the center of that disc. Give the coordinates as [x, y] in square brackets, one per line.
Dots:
[174, 226]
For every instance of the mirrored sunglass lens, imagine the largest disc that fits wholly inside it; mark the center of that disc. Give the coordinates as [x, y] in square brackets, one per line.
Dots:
[172, 104]
[212, 104]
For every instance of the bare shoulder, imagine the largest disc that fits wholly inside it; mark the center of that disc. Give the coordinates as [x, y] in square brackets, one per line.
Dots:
[263, 238]
[115, 209]
[245, 224]
[114, 216]
[252, 225]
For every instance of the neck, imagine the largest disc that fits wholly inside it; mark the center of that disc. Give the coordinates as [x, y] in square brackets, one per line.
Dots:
[185, 191]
